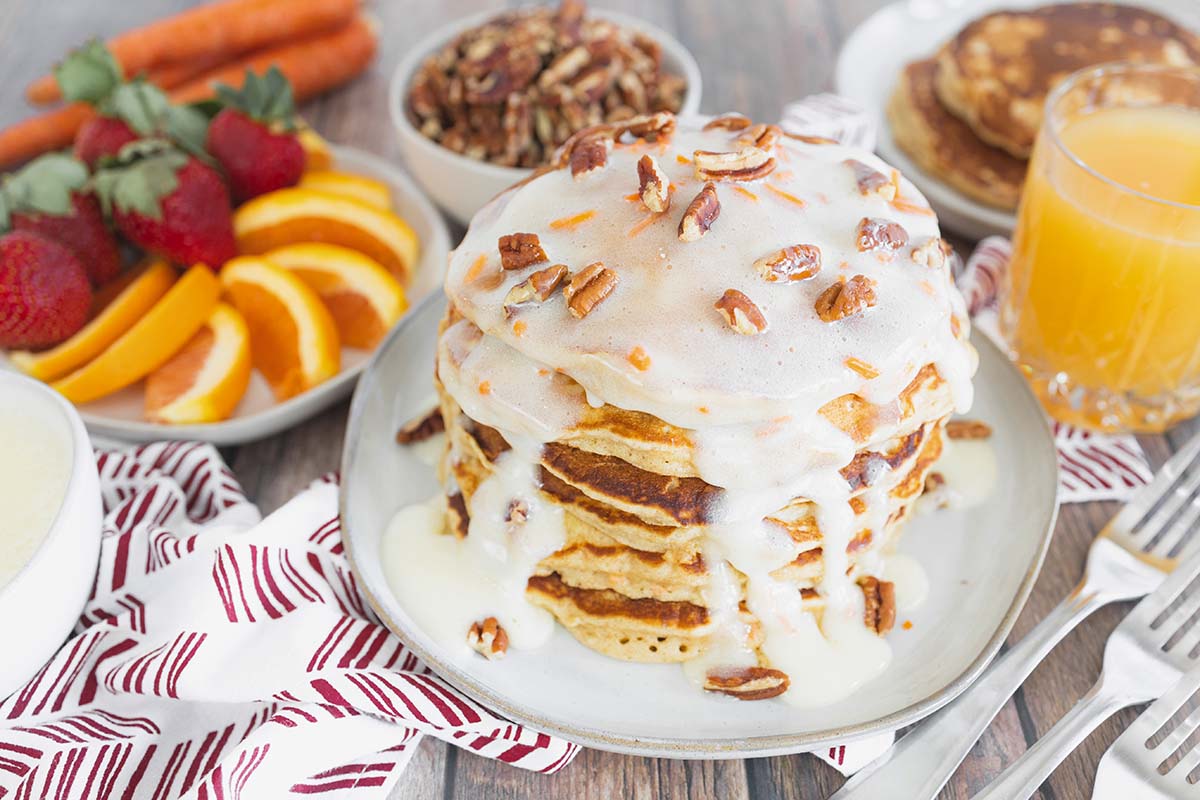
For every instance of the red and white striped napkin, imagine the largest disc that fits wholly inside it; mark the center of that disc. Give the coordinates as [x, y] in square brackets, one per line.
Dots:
[1090, 466]
[221, 655]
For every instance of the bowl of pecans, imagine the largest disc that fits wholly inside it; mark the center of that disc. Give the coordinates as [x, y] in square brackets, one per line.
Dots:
[480, 104]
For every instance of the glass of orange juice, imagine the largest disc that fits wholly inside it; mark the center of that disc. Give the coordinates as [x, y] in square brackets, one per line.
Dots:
[1101, 306]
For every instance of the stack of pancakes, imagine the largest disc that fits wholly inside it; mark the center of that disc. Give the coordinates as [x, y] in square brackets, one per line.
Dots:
[717, 482]
[970, 114]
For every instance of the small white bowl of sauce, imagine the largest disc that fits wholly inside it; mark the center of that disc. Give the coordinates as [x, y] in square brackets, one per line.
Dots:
[50, 521]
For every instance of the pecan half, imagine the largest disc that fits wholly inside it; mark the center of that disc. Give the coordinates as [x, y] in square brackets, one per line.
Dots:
[845, 298]
[740, 313]
[968, 429]
[880, 234]
[488, 638]
[701, 213]
[747, 683]
[879, 609]
[520, 250]
[537, 288]
[747, 164]
[871, 182]
[795, 263]
[764, 137]
[728, 122]
[653, 185]
[418, 429]
[589, 155]
[933, 253]
[649, 126]
[588, 288]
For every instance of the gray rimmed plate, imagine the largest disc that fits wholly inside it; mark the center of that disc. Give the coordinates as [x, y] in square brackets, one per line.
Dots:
[981, 562]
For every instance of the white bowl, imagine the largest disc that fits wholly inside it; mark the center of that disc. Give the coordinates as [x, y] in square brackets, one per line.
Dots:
[461, 185]
[40, 605]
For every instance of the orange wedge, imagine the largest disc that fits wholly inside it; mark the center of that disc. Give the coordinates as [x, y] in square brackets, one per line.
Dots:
[205, 380]
[293, 340]
[364, 299]
[347, 184]
[318, 154]
[152, 340]
[291, 216]
[112, 320]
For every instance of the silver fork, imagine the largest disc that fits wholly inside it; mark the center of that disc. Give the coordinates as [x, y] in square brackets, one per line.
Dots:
[1138, 766]
[1128, 559]
[1143, 658]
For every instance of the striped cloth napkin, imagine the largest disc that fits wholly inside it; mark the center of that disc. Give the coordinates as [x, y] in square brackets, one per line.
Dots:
[222, 655]
[1091, 466]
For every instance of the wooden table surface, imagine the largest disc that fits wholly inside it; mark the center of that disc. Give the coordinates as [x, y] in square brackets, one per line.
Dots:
[754, 55]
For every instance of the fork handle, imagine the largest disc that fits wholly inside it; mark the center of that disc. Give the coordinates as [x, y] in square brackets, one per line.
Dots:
[919, 765]
[1027, 773]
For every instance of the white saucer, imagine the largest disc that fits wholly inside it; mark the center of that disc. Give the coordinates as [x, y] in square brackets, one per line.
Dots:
[119, 416]
[876, 53]
[981, 563]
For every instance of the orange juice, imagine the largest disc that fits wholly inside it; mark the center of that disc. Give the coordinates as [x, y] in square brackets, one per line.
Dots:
[1102, 304]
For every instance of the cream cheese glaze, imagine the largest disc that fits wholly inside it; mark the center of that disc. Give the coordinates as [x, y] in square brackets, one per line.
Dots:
[750, 404]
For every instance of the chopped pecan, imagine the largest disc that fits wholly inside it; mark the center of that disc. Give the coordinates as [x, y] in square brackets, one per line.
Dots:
[565, 66]
[701, 213]
[747, 683]
[590, 155]
[871, 182]
[650, 126]
[520, 250]
[457, 518]
[880, 234]
[588, 288]
[934, 481]
[537, 288]
[933, 253]
[879, 608]
[845, 298]
[795, 263]
[968, 429]
[517, 512]
[488, 638]
[653, 185]
[764, 137]
[740, 312]
[747, 164]
[418, 429]
[728, 122]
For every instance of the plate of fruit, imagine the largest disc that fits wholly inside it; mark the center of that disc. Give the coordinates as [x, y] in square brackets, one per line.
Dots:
[214, 271]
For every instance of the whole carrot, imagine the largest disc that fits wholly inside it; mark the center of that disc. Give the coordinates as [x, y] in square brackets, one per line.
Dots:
[45, 132]
[221, 30]
[313, 65]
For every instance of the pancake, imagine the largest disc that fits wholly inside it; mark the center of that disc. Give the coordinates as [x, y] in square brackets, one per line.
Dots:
[996, 73]
[946, 147]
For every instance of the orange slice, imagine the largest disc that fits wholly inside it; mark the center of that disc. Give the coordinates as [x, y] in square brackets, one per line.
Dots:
[317, 152]
[290, 216]
[347, 184]
[152, 340]
[113, 319]
[293, 340]
[205, 380]
[363, 297]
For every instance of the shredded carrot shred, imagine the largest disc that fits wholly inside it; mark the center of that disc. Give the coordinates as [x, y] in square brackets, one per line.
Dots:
[476, 268]
[646, 222]
[573, 221]
[682, 159]
[485, 387]
[746, 192]
[862, 368]
[791, 198]
[519, 327]
[633, 198]
[908, 206]
[637, 356]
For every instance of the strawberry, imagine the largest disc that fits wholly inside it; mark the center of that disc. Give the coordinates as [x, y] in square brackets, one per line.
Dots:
[100, 137]
[168, 202]
[44, 292]
[254, 135]
[47, 197]
[128, 110]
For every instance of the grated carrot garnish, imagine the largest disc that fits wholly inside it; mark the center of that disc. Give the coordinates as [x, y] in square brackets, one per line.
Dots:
[633, 198]
[791, 198]
[909, 207]
[927, 287]
[746, 192]
[862, 368]
[543, 372]
[573, 221]
[907, 625]
[476, 268]
[519, 327]
[703, 409]
[637, 356]
[485, 387]
[682, 159]
[646, 222]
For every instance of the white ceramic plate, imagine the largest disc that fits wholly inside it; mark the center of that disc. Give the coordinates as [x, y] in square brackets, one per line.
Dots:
[119, 416]
[877, 51]
[981, 564]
